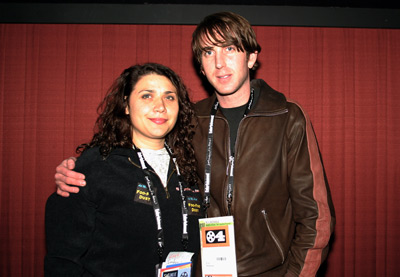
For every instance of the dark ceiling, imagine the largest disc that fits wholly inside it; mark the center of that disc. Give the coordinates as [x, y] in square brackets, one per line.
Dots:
[384, 4]
[308, 13]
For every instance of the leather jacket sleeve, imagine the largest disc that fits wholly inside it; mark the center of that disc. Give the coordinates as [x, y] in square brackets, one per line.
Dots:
[309, 193]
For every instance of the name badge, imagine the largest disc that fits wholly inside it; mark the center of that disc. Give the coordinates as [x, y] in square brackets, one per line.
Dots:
[218, 254]
[176, 264]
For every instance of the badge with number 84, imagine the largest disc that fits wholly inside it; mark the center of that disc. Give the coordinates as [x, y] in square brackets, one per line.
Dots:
[215, 236]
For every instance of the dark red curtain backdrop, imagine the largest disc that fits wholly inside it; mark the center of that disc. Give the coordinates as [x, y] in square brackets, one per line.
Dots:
[52, 78]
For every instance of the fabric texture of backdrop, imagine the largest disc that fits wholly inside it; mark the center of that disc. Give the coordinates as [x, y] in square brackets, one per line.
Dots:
[53, 76]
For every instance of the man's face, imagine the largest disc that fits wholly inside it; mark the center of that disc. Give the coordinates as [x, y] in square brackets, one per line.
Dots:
[227, 68]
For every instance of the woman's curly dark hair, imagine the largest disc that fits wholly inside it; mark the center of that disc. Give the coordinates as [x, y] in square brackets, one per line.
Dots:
[113, 127]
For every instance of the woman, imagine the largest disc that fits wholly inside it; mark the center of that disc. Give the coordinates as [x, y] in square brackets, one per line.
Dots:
[141, 183]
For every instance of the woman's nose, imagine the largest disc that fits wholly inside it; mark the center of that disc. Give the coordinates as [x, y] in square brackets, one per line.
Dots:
[159, 106]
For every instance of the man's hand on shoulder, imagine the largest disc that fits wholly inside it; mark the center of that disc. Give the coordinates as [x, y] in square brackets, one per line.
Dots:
[66, 178]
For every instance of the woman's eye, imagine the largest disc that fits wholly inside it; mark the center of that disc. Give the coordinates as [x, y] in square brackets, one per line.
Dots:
[170, 97]
[146, 96]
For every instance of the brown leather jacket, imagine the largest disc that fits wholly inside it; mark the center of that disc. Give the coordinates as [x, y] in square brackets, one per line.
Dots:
[281, 205]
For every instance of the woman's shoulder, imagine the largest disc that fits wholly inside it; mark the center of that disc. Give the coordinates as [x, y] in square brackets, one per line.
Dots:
[94, 154]
[89, 156]
[102, 172]
[93, 158]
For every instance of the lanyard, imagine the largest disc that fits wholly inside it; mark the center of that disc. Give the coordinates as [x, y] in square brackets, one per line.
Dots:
[231, 165]
[156, 204]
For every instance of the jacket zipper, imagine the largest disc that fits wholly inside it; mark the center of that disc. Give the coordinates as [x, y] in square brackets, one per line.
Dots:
[228, 206]
[168, 179]
[274, 237]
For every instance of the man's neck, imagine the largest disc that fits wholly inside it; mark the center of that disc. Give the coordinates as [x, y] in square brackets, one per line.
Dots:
[233, 100]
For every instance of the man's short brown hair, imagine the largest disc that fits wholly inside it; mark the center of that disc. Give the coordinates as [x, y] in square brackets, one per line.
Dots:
[224, 29]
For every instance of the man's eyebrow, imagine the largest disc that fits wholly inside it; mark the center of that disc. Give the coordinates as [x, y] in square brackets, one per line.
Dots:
[207, 48]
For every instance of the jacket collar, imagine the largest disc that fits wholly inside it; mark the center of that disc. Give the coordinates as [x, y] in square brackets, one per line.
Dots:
[267, 100]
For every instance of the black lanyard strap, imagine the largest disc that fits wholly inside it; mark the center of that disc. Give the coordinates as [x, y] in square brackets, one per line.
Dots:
[156, 204]
[185, 209]
[208, 162]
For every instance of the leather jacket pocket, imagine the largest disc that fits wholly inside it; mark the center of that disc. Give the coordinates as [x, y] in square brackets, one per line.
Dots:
[273, 235]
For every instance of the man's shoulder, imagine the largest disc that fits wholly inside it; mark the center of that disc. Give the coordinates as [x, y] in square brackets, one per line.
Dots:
[203, 107]
[266, 89]
[268, 99]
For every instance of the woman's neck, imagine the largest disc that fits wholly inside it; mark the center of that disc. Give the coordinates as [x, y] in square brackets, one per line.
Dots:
[153, 144]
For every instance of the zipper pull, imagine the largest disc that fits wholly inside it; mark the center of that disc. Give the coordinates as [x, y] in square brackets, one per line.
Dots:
[229, 168]
[167, 192]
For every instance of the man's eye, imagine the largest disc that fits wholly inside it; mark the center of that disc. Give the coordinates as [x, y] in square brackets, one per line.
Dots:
[208, 53]
[230, 48]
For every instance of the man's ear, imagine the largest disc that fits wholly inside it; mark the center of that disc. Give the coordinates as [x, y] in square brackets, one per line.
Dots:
[252, 59]
[202, 70]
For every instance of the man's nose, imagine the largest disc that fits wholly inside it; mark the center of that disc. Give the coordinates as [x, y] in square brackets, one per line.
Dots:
[219, 60]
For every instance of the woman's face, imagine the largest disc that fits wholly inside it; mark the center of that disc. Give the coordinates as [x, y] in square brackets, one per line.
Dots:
[153, 109]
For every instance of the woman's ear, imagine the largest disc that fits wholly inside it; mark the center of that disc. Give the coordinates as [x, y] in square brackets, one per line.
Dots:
[126, 105]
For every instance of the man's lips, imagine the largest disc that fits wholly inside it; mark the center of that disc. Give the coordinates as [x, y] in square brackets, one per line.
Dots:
[158, 120]
[225, 76]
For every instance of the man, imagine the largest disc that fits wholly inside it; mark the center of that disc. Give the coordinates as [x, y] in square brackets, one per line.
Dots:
[257, 156]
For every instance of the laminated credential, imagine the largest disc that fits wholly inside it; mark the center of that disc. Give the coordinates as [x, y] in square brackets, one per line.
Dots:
[218, 254]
